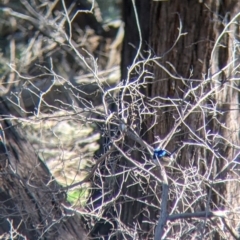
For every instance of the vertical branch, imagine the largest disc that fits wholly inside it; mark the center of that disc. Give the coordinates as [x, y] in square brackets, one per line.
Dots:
[163, 212]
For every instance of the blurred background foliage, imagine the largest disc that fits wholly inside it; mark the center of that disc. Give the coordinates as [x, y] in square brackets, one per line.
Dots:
[46, 84]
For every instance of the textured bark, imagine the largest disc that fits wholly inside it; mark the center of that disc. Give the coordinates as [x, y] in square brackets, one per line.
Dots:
[193, 51]
[132, 34]
[30, 198]
[131, 44]
[203, 22]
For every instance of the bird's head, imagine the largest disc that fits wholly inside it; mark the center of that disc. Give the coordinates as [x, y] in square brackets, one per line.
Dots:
[159, 153]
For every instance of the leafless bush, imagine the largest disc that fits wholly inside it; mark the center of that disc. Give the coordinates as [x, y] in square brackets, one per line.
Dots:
[185, 199]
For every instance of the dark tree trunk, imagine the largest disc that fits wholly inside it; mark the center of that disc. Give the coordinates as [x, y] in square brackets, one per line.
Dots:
[132, 39]
[181, 64]
[195, 54]
[31, 202]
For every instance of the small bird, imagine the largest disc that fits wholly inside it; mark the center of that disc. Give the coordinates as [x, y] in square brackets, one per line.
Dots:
[163, 157]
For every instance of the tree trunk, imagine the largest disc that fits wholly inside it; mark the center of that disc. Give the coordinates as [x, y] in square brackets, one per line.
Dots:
[201, 53]
[32, 204]
[180, 87]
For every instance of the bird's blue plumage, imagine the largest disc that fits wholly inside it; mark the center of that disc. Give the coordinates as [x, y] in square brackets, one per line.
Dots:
[159, 153]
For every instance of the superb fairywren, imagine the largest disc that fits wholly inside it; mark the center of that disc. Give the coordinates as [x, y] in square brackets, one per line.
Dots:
[163, 157]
